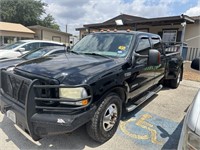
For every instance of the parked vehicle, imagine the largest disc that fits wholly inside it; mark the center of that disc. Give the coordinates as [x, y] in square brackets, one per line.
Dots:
[44, 51]
[190, 135]
[103, 75]
[24, 46]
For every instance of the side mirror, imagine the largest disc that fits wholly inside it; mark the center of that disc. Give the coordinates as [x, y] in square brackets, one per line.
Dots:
[154, 57]
[21, 49]
[196, 64]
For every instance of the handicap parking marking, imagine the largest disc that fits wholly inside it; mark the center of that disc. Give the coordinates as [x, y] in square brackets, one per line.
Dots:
[147, 130]
[130, 134]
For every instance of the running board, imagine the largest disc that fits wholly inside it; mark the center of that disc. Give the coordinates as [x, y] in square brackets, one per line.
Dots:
[143, 99]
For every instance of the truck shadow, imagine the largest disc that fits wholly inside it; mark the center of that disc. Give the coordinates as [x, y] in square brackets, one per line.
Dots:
[166, 88]
[76, 140]
[128, 115]
[172, 142]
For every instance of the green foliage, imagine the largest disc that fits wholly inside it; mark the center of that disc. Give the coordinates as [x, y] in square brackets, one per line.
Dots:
[49, 22]
[26, 12]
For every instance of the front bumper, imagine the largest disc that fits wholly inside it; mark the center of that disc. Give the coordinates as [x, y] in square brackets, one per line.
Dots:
[23, 97]
[43, 124]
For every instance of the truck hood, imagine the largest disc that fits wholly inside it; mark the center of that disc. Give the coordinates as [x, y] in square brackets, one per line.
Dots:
[194, 115]
[69, 68]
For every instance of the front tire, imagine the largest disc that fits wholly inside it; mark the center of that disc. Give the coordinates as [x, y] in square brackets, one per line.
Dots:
[106, 119]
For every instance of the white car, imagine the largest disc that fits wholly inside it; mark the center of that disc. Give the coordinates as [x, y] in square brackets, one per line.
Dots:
[24, 46]
[190, 135]
[41, 52]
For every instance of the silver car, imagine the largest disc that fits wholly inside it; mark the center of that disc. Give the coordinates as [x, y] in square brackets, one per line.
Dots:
[190, 135]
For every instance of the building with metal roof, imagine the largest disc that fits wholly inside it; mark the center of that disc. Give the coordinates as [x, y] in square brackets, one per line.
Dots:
[172, 29]
[12, 32]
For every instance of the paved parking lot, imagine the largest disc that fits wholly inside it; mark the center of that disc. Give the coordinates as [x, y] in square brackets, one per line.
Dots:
[155, 125]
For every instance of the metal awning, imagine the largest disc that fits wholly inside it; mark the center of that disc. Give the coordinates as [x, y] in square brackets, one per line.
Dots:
[152, 22]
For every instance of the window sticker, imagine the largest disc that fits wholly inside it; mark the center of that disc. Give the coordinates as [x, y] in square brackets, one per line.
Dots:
[122, 48]
[119, 52]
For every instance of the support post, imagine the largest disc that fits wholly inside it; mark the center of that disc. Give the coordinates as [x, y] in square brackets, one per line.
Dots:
[182, 36]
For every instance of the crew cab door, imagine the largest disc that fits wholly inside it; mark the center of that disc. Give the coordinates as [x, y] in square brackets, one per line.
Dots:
[160, 69]
[143, 74]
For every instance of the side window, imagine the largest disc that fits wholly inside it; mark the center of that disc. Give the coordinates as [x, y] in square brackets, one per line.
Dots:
[44, 44]
[157, 44]
[31, 46]
[48, 44]
[143, 46]
[143, 49]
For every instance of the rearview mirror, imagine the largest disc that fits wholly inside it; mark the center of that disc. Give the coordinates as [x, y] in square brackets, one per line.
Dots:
[196, 64]
[154, 57]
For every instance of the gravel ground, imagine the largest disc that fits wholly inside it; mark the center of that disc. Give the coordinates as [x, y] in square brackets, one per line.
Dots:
[189, 73]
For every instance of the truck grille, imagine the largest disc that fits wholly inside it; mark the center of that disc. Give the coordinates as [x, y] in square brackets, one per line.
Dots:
[43, 95]
[15, 86]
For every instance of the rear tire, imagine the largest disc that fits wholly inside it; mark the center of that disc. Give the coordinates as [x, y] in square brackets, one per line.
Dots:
[106, 119]
[174, 83]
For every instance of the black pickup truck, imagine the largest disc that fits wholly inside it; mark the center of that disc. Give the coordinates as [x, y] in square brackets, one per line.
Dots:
[103, 76]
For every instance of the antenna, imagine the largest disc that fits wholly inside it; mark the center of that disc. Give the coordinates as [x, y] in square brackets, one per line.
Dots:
[66, 28]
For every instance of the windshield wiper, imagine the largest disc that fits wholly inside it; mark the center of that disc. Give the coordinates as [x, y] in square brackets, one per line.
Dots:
[95, 54]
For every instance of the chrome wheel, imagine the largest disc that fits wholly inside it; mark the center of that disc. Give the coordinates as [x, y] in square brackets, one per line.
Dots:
[179, 78]
[110, 117]
[106, 119]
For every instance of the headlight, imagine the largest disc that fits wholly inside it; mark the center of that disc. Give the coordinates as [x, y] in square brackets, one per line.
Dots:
[193, 141]
[74, 94]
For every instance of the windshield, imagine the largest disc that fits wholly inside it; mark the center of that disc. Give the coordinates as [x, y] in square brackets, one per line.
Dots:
[14, 45]
[109, 44]
[36, 54]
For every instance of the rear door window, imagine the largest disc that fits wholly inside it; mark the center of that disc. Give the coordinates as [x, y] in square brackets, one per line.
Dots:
[48, 44]
[31, 46]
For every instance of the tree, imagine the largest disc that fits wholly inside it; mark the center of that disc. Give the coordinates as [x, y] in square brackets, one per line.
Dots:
[26, 12]
[49, 22]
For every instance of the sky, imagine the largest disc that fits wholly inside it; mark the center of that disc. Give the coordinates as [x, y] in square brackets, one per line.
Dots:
[76, 13]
